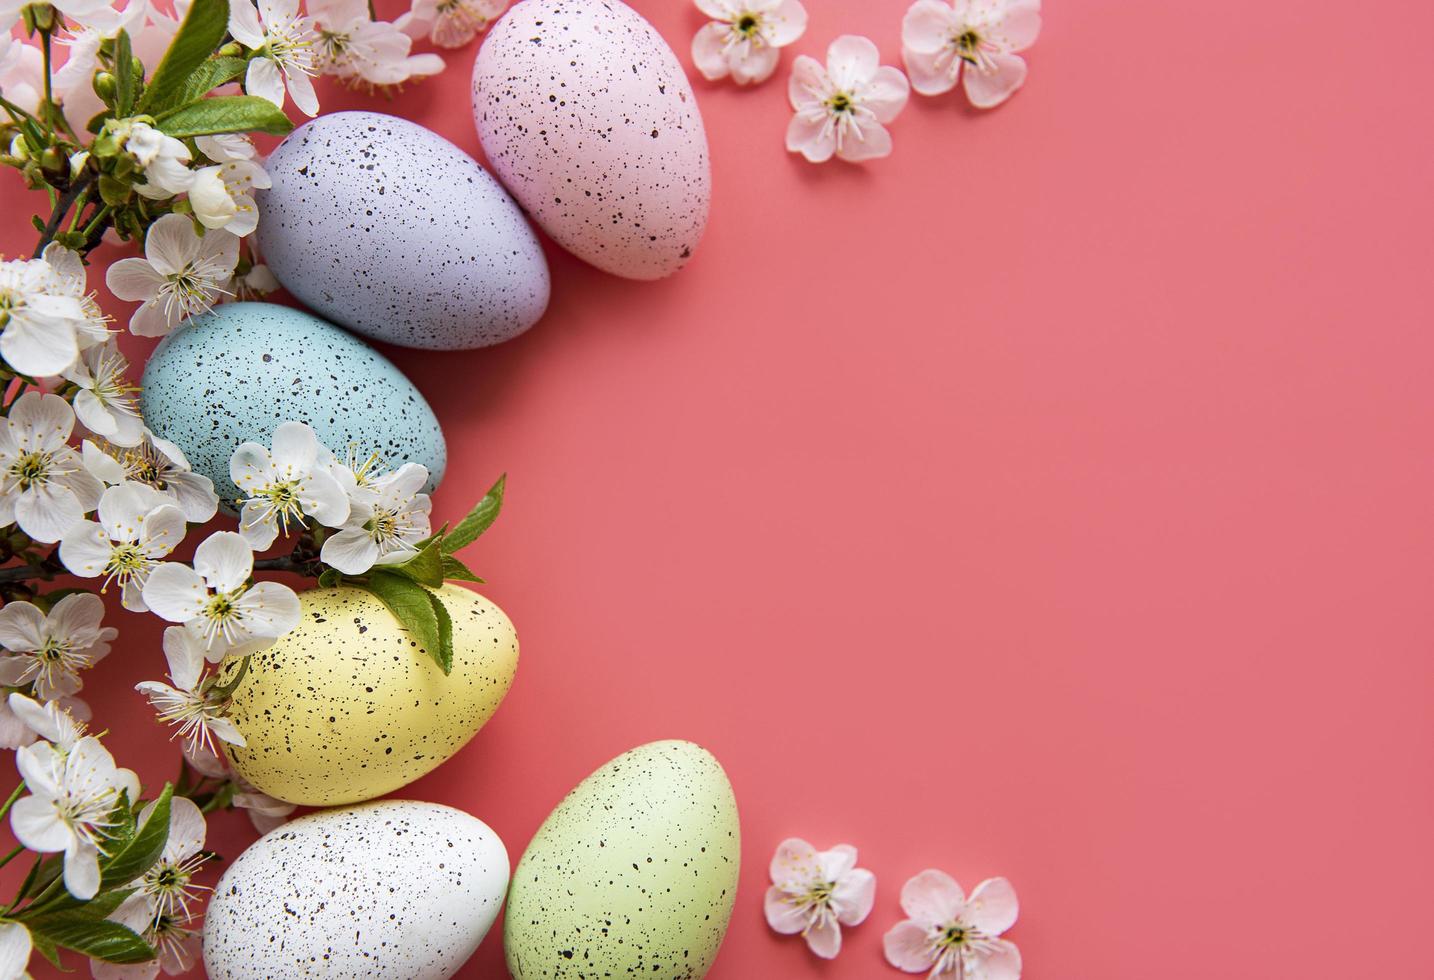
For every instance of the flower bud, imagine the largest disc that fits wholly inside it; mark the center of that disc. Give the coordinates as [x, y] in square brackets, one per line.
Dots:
[105, 86]
[55, 164]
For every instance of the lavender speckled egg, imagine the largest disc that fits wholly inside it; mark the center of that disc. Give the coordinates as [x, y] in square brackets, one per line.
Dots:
[390, 891]
[392, 231]
[235, 373]
[587, 117]
[634, 873]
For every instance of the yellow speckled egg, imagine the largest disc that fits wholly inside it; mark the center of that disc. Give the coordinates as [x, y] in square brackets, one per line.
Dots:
[348, 706]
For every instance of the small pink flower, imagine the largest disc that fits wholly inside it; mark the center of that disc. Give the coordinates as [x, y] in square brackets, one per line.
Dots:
[952, 935]
[744, 37]
[843, 109]
[972, 40]
[815, 893]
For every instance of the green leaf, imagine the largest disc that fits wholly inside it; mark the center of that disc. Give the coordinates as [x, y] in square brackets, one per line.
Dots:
[479, 519]
[97, 938]
[124, 74]
[224, 114]
[330, 577]
[203, 29]
[47, 949]
[98, 907]
[445, 634]
[425, 567]
[412, 605]
[455, 571]
[138, 854]
[210, 75]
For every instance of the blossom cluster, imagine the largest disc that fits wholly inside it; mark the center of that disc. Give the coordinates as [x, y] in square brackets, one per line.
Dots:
[842, 107]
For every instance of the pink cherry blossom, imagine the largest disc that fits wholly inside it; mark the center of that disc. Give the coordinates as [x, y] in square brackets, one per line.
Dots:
[815, 893]
[952, 935]
[844, 107]
[744, 37]
[975, 41]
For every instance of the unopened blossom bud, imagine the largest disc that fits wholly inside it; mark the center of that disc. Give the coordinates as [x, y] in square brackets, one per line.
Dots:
[105, 86]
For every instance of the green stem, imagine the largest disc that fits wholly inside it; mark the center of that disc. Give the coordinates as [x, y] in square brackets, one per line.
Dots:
[16, 113]
[62, 208]
[19, 849]
[11, 802]
[45, 50]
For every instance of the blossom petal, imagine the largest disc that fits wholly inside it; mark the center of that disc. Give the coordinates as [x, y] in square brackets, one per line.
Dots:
[161, 530]
[1000, 961]
[42, 349]
[756, 66]
[887, 94]
[324, 500]
[171, 244]
[175, 592]
[269, 609]
[46, 512]
[932, 74]
[783, 914]
[933, 898]
[225, 560]
[186, 829]
[852, 60]
[812, 138]
[1020, 27]
[295, 449]
[85, 549]
[709, 53]
[854, 896]
[185, 655]
[264, 80]
[992, 907]
[928, 26]
[82, 870]
[824, 938]
[906, 947]
[244, 24]
[250, 467]
[875, 143]
[352, 551]
[153, 320]
[836, 861]
[795, 866]
[22, 626]
[38, 825]
[986, 89]
[301, 90]
[15, 948]
[717, 9]
[808, 82]
[786, 23]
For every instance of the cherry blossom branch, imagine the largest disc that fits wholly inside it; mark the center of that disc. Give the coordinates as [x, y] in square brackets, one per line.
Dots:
[62, 208]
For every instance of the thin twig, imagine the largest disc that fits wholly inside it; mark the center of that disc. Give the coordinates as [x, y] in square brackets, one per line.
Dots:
[62, 208]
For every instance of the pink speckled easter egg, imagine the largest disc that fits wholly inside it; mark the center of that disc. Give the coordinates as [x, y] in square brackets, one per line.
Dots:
[588, 119]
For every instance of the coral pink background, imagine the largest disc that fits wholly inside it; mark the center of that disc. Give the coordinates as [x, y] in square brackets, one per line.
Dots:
[1051, 500]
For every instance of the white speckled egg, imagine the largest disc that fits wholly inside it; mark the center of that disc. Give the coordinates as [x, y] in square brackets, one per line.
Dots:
[390, 891]
[235, 373]
[347, 706]
[634, 873]
[587, 117]
[392, 231]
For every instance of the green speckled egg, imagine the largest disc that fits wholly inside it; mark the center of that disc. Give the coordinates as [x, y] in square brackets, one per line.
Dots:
[348, 706]
[633, 875]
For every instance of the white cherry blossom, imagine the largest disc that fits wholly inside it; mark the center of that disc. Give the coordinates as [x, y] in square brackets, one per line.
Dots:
[254, 284]
[815, 893]
[180, 275]
[137, 526]
[73, 795]
[156, 463]
[50, 649]
[39, 320]
[971, 41]
[359, 50]
[265, 812]
[185, 702]
[105, 403]
[843, 107]
[387, 518]
[215, 600]
[223, 147]
[451, 23]
[164, 160]
[168, 887]
[744, 37]
[58, 722]
[44, 486]
[285, 41]
[15, 946]
[282, 487]
[950, 935]
[68, 278]
[221, 198]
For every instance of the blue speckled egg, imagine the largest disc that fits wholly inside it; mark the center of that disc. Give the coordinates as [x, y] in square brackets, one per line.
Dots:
[633, 875]
[586, 116]
[234, 374]
[390, 230]
[396, 890]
